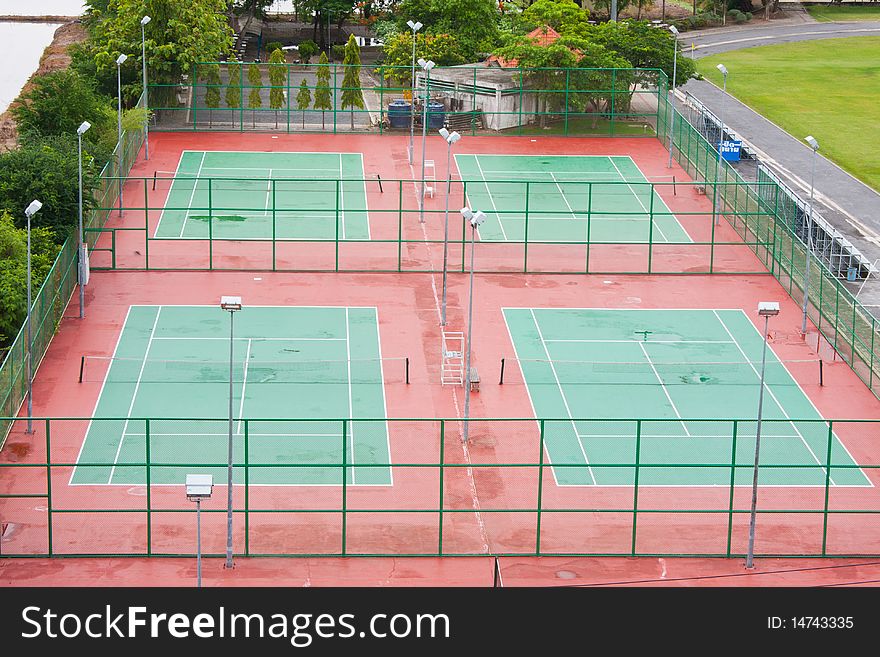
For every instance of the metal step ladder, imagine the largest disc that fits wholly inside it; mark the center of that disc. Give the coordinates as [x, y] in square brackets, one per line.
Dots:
[452, 371]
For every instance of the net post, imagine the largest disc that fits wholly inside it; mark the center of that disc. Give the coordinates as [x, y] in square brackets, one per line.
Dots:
[379, 178]
[674, 187]
[407, 370]
[821, 373]
[82, 365]
[155, 176]
[501, 378]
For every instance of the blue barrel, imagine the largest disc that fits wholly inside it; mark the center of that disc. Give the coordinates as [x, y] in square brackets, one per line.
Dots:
[399, 113]
[436, 115]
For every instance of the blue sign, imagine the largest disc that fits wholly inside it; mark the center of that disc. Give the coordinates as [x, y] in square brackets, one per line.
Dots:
[730, 150]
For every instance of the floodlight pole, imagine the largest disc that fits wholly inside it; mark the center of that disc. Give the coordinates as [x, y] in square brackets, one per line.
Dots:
[119, 62]
[32, 209]
[475, 218]
[144, 21]
[199, 542]
[815, 146]
[415, 27]
[613, 16]
[451, 138]
[715, 205]
[81, 253]
[671, 121]
[231, 305]
[426, 66]
[752, 520]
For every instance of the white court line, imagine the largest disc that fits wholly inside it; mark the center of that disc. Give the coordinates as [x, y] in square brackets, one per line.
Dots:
[773, 396]
[562, 394]
[654, 223]
[366, 204]
[634, 341]
[240, 434]
[254, 339]
[192, 196]
[564, 197]
[651, 435]
[247, 358]
[665, 390]
[491, 199]
[134, 394]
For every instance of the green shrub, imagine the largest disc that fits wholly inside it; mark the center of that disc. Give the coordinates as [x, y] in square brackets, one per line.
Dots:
[307, 50]
[272, 46]
[338, 52]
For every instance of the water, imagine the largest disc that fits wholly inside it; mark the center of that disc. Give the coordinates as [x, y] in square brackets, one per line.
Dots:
[41, 8]
[21, 45]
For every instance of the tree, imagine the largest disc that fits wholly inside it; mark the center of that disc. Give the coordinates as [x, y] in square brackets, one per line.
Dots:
[180, 35]
[255, 82]
[277, 80]
[46, 169]
[303, 100]
[233, 90]
[473, 23]
[561, 15]
[211, 78]
[323, 100]
[442, 49]
[352, 96]
[13, 272]
[307, 50]
[605, 6]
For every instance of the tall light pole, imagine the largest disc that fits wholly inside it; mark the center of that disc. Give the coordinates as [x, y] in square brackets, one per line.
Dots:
[671, 121]
[766, 309]
[199, 487]
[81, 253]
[231, 305]
[815, 146]
[451, 138]
[119, 62]
[613, 12]
[30, 211]
[144, 21]
[716, 205]
[474, 218]
[426, 65]
[415, 27]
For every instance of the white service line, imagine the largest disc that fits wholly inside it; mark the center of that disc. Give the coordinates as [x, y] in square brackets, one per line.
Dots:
[192, 195]
[665, 390]
[562, 394]
[247, 357]
[650, 217]
[564, 197]
[491, 198]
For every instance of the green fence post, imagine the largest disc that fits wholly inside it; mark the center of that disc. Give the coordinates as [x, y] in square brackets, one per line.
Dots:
[247, 488]
[440, 503]
[149, 486]
[195, 98]
[871, 364]
[636, 484]
[613, 101]
[526, 234]
[589, 223]
[567, 84]
[146, 230]
[651, 228]
[288, 98]
[732, 485]
[344, 480]
[337, 211]
[540, 487]
[273, 187]
[712, 236]
[335, 96]
[827, 486]
[210, 225]
[399, 226]
[49, 487]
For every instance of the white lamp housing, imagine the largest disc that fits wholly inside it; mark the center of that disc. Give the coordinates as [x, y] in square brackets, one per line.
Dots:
[199, 486]
[145, 20]
[415, 27]
[230, 303]
[768, 308]
[33, 208]
[121, 59]
[427, 65]
[812, 142]
[83, 128]
[723, 69]
[673, 29]
[450, 137]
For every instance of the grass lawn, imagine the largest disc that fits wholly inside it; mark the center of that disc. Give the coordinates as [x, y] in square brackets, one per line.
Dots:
[828, 13]
[584, 126]
[829, 89]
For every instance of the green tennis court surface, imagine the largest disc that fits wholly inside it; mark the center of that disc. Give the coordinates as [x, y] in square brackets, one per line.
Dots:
[304, 363]
[245, 195]
[692, 364]
[559, 205]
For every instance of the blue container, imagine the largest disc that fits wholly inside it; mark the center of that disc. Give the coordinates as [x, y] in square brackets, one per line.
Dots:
[851, 274]
[436, 115]
[399, 114]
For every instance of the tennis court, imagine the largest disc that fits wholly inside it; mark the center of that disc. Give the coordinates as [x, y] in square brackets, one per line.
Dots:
[303, 363]
[668, 364]
[574, 198]
[265, 195]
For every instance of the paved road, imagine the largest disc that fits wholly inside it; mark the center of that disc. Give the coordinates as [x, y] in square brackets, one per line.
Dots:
[849, 205]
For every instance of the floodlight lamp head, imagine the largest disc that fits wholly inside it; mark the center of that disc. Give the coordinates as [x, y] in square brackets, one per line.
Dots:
[453, 137]
[145, 20]
[467, 213]
[426, 64]
[478, 218]
[121, 59]
[812, 142]
[83, 128]
[199, 487]
[723, 69]
[768, 308]
[33, 208]
[414, 26]
[230, 303]
[673, 29]
[444, 133]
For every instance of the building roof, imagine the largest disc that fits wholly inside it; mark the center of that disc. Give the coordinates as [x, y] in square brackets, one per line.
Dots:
[540, 36]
